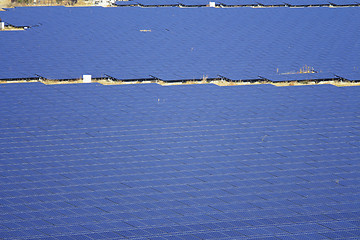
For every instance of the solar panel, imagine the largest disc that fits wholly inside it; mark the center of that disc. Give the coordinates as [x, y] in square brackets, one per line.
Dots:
[17, 75]
[154, 3]
[185, 76]
[277, 3]
[344, 2]
[230, 3]
[238, 75]
[349, 75]
[126, 3]
[194, 3]
[189, 42]
[20, 16]
[307, 2]
[128, 77]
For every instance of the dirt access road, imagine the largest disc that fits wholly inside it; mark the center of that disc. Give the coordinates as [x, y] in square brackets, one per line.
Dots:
[4, 3]
[79, 3]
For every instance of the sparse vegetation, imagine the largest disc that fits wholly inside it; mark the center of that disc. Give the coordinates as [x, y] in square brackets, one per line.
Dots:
[12, 28]
[305, 69]
[20, 3]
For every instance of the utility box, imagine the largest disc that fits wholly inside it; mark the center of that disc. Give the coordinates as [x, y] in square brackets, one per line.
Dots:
[2, 25]
[212, 4]
[86, 78]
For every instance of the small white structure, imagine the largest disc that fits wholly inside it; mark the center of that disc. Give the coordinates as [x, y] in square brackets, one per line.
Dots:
[2, 25]
[86, 78]
[212, 4]
[104, 3]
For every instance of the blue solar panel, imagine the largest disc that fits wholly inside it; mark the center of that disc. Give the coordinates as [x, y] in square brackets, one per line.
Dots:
[17, 74]
[184, 76]
[126, 3]
[168, 3]
[189, 42]
[239, 2]
[350, 75]
[132, 76]
[344, 2]
[21, 16]
[146, 161]
[272, 3]
[307, 2]
[237, 75]
[194, 2]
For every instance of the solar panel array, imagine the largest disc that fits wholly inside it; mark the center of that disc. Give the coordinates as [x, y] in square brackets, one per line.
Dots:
[180, 44]
[89, 161]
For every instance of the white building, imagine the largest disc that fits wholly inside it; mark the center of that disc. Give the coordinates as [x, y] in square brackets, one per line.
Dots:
[104, 3]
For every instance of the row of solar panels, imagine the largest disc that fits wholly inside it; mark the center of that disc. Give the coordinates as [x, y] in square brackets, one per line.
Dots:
[66, 172]
[238, 3]
[231, 77]
[176, 44]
